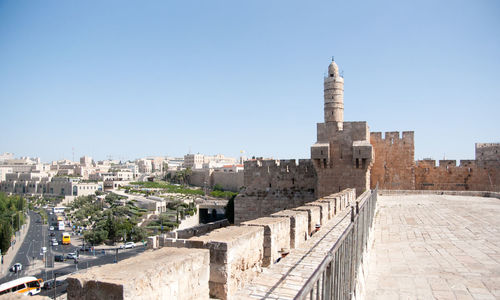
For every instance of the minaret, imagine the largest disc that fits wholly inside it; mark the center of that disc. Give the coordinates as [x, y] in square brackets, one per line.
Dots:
[334, 96]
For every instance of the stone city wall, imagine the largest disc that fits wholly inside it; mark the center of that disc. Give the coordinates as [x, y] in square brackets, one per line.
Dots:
[395, 168]
[229, 258]
[198, 230]
[299, 222]
[394, 163]
[487, 151]
[276, 236]
[272, 186]
[313, 216]
[230, 181]
[324, 210]
[166, 273]
[236, 255]
[468, 176]
[201, 177]
[342, 158]
[286, 279]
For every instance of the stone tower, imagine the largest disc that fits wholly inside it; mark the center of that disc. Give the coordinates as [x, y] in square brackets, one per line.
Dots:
[342, 155]
[334, 96]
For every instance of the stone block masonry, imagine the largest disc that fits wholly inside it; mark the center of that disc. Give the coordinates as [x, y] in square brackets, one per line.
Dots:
[395, 168]
[236, 255]
[313, 216]
[272, 186]
[276, 236]
[324, 211]
[166, 273]
[299, 223]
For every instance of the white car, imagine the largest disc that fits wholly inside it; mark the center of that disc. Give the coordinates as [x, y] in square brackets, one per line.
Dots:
[44, 249]
[71, 256]
[128, 245]
[55, 243]
[51, 228]
[16, 267]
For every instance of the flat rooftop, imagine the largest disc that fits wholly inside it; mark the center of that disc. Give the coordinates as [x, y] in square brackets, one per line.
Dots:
[435, 247]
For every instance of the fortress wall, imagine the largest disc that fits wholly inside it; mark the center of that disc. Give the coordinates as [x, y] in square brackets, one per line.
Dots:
[272, 186]
[166, 273]
[199, 177]
[276, 236]
[229, 181]
[487, 151]
[299, 223]
[198, 230]
[349, 158]
[394, 160]
[395, 169]
[331, 205]
[324, 210]
[236, 256]
[313, 216]
[467, 176]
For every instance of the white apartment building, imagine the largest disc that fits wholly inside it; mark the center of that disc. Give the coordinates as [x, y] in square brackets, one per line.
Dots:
[4, 171]
[194, 161]
[42, 183]
[200, 161]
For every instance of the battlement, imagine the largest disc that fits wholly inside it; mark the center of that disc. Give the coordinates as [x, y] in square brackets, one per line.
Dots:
[445, 163]
[269, 165]
[393, 137]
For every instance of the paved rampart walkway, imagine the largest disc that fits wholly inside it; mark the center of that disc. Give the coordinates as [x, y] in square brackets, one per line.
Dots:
[435, 247]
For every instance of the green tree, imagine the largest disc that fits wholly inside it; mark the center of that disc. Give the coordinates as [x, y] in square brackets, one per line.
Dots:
[218, 187]
[5, 236]
[230, 210]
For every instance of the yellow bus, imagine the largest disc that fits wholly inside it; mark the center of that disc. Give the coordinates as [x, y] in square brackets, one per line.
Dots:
[27, 286]
[66, 240]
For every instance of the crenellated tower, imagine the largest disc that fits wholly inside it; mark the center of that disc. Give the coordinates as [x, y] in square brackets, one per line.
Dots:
[342, 155]
[334, 96]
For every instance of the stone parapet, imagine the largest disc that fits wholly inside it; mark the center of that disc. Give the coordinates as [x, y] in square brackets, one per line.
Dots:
[236, 254]
[299, 223]
[276, 236]
[324, 210]
[313, 216]
[286, 278]
[166, 273]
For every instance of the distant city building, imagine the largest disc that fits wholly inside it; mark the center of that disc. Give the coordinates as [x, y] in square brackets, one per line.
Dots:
[200, 161]
[6, 156]
[86, 161]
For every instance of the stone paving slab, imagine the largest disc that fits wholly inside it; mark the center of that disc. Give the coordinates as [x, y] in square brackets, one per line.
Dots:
[435, 247]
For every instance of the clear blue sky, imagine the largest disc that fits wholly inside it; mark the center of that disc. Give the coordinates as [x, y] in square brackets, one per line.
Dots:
[137, 78]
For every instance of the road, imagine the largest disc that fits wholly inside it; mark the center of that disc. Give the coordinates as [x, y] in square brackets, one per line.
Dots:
[30, 254]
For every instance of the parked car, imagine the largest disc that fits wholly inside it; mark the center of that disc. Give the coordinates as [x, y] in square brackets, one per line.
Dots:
[51, 228]
[59, 258]
[16, 267]
[128, 245]
[71, 256]
[44, 249]
[55, 243]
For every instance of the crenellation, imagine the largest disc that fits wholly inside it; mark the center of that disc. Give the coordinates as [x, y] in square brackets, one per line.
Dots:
[392, 136]
[426, 163]
[408, 136]
[467, 163]
[447, 163]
